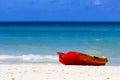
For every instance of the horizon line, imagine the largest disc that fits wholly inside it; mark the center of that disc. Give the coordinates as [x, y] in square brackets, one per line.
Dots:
[59, 22]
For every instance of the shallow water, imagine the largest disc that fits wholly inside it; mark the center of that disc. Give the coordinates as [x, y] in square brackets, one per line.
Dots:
[39, 43]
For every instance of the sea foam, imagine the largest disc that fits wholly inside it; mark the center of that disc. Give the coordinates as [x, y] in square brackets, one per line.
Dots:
[30, 58]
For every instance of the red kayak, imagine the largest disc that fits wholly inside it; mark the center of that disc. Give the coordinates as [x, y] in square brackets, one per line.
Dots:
[79, 58]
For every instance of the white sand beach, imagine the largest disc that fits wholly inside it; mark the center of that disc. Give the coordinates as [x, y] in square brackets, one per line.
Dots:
[58, 72]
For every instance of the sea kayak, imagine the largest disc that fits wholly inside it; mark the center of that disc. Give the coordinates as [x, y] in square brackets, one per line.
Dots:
[79, 58]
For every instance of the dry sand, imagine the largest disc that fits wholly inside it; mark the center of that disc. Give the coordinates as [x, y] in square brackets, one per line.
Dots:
[58, 72]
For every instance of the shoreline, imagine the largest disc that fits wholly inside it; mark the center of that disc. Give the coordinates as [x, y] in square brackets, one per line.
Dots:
[57, 72]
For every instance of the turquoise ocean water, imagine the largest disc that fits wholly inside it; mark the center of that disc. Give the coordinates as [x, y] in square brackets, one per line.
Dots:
[39, 43]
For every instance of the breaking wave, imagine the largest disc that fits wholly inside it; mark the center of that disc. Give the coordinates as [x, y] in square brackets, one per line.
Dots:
[28, 58]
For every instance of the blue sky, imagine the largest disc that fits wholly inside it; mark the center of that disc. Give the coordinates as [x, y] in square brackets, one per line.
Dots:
[59, 10]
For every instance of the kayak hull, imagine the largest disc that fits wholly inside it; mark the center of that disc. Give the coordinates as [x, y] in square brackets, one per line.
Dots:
[79, 58]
